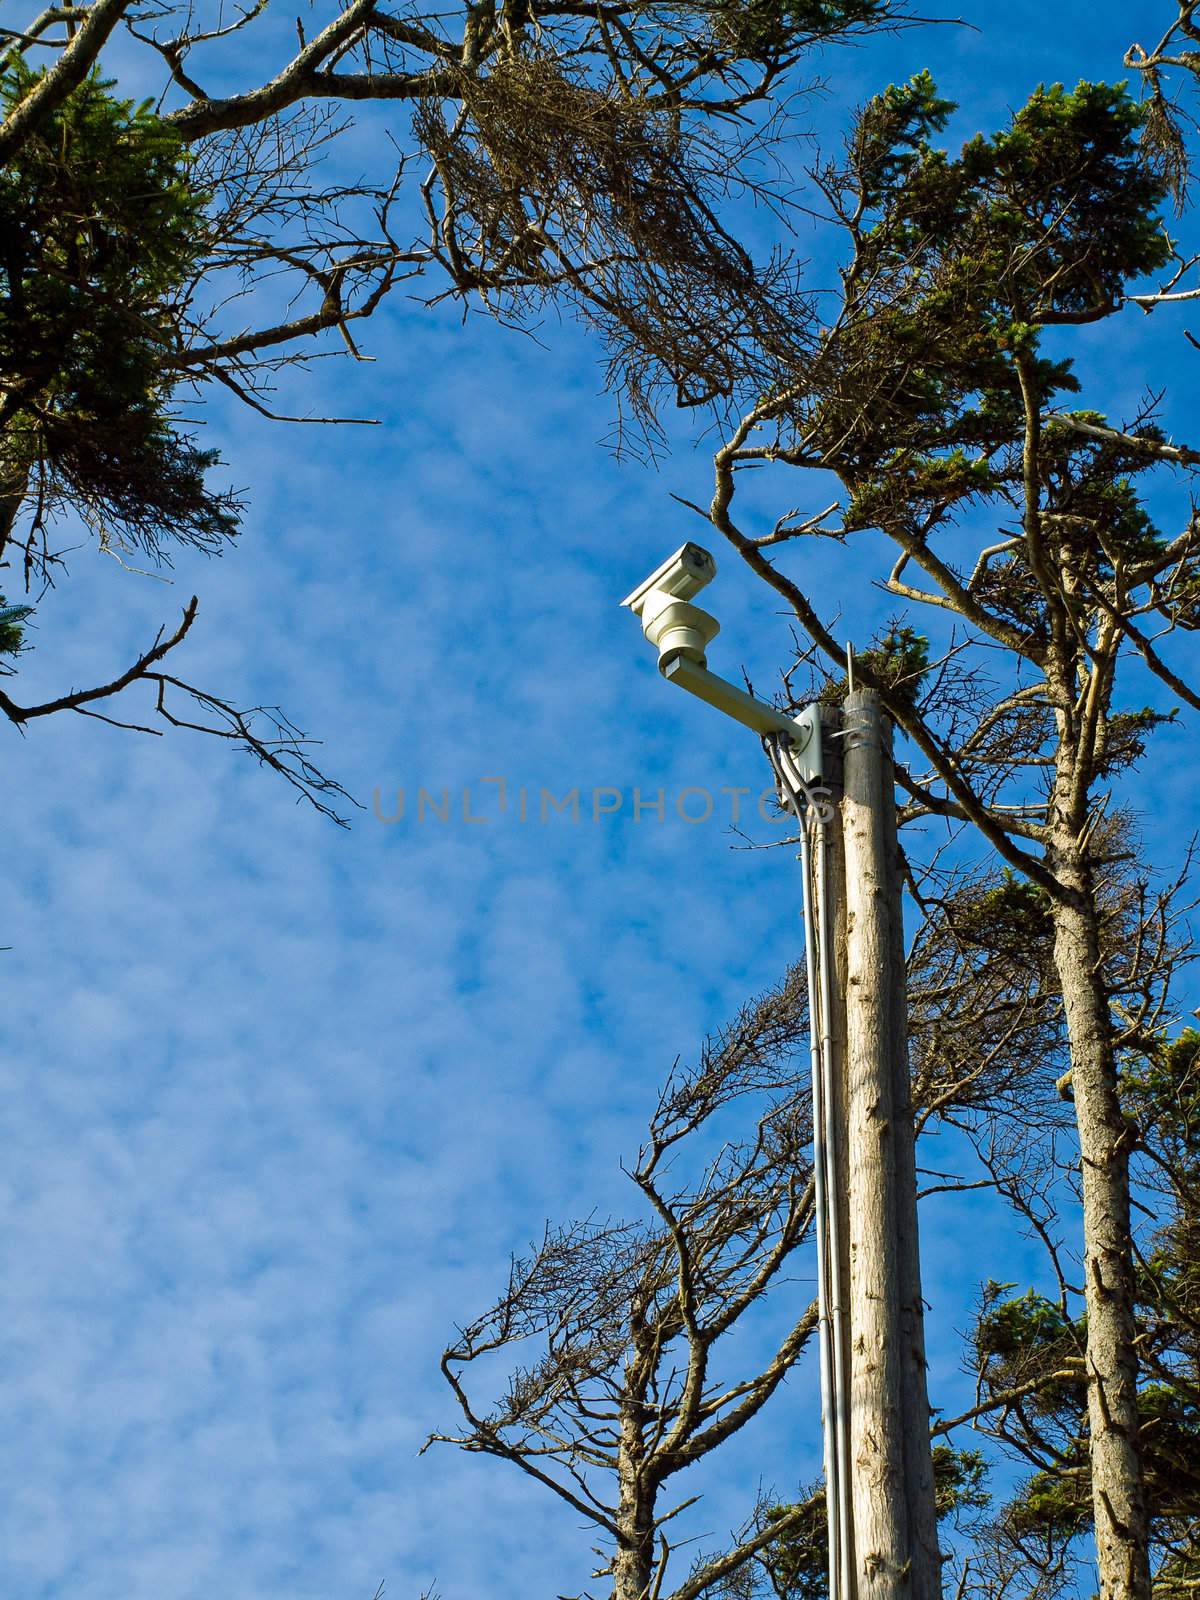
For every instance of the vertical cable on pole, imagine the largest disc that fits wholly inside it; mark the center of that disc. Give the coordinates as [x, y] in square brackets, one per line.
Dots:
[829, 1419]
[830, 1288]
[839, 1333]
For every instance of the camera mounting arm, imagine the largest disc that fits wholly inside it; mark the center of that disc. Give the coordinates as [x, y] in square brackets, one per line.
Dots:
[804, 731]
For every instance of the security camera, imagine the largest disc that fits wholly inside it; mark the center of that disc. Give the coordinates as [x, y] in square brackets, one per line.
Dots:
[681, 633]
[680, 577]
[675, 627]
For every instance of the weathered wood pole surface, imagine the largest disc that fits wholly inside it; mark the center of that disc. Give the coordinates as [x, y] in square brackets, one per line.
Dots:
[895, 1528]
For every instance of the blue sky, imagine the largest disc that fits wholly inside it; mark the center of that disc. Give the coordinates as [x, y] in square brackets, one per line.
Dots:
[279, 1101]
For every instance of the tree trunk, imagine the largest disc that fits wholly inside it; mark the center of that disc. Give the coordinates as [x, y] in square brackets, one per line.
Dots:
[633, 1563]
[1118, 1492]
[14, 481]
[895, 1537]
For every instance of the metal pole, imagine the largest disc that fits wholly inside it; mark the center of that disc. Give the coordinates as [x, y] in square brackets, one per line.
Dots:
[830, 1409]
[831, 1276]
[839, 1324]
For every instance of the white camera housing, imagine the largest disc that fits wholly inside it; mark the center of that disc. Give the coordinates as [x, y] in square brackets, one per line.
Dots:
[671, 624]
[681, 577]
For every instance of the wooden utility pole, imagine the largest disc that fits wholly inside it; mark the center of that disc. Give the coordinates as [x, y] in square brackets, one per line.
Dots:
[893, 1544]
